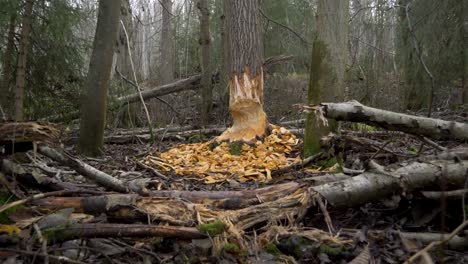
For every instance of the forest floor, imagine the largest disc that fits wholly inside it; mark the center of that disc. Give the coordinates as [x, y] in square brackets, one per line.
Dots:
[224, 221]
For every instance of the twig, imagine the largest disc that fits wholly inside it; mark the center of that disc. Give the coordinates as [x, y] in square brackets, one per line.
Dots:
[43, 195]
[284, 26]
[157, 97]
[43, 241]
[297, 165]
[436, 243]
[326, 215]
[421, 60]
[138, 87]
[432, 143]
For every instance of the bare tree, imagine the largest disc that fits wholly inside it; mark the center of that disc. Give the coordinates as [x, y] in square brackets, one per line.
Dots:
[327, 73]
[205, 42]
[7, 66]
[167, 44]
[22, 59]
[245, 72]
[93, 110]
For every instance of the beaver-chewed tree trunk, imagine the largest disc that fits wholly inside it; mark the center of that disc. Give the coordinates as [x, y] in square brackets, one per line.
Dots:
[245, 72]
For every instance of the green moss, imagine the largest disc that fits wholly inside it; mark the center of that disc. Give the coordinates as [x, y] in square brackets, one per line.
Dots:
[196, 138]
[59, 232]
[232, 248]
[213, 145]
[235, 148]
[362, 127]
[4, 216]
[272, 249]
[329, 250]
[413, 149]
[213, 228]
[328, 163]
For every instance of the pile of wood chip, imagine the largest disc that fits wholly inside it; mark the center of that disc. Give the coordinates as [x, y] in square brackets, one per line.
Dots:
[218, 162]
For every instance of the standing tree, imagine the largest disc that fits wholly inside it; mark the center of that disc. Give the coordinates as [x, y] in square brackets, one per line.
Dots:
[7, 67]
[205, 44]
[245, 72]
[328, 67]
[22, 57]
[464, 26]
[167, 44]
[93, 111]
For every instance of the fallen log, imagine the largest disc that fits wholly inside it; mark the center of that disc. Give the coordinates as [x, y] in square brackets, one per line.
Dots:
[353, 111]
[78, 231]
[84, 169]
[367, 187]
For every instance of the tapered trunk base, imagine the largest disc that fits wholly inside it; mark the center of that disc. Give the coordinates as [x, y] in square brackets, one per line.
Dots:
[246, 107]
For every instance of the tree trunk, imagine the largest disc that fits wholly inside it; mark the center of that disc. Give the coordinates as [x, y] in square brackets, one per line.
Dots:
[205, 42]
[245, 72]
[167, 44]
[464, 20]
[22, 58]
[327, 73]
[7, 67]
[93, 111]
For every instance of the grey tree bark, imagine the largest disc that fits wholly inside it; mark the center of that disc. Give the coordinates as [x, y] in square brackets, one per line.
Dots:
[245, 72]
[465, 51]
[22, 59]
[205, 43]
[94, 100]
[166, 69]
[327, 73]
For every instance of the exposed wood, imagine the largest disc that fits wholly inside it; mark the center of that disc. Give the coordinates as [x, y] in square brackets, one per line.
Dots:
[245, 72]
[429, 127]
[84, 169]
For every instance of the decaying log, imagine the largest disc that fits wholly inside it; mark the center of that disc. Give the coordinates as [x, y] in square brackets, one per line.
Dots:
[76, 231]
[84, 169]
[423, 126]
[38, 180]
[374, 185]
[368, 187]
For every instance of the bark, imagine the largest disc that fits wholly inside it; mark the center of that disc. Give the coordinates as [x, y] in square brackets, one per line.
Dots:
[423, 126]
[245, 72]
[34, 179]
[117, 204]
[167, 44]
[22, 60]
[84, 169]
[327, 73]
[80, 231]
[205, 43]
[371, 186]
[464, 20]
[93, 108]
[7, 67]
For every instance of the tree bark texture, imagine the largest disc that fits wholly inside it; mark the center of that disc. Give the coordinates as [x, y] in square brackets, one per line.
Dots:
[245, 72]
[464, 20]
[22, 59]
[205, 43]
[94, 100]
[167, 44]
[84, 169]
[417, 125]
[327, 72]
[7, 67]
